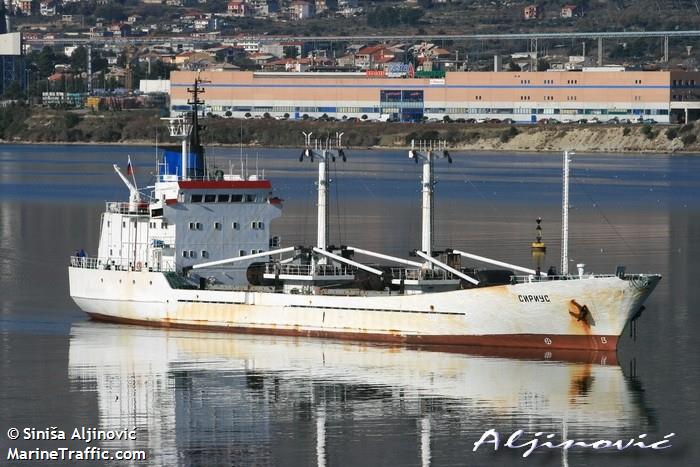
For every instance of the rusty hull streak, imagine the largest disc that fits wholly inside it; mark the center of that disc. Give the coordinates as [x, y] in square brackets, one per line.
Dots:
[533, 341]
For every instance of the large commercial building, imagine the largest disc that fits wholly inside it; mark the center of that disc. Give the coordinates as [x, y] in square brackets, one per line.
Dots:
[11, 61]
[525, 97]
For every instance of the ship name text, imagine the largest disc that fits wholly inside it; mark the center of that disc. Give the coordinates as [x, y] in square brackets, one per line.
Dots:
[533, 298]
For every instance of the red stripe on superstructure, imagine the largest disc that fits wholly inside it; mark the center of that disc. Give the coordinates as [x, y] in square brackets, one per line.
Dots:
[171, 201]
[214, 184]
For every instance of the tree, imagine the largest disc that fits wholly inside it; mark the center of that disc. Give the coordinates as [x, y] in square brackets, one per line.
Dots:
[99, 64]
[111, 13]
[291, 52]
[78, 59]
[46, 61]
[13, 91]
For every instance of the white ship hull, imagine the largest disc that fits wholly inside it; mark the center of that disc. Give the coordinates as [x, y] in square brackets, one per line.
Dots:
[536, 314]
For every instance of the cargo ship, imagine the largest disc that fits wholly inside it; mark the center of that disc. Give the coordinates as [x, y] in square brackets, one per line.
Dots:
[195, 251]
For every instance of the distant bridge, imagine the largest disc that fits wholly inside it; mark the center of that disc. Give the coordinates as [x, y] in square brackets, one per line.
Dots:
[201, 39]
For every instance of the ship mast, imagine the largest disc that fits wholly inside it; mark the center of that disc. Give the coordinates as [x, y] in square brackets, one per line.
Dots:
[321, 151]
[565, 215]
[425, 150]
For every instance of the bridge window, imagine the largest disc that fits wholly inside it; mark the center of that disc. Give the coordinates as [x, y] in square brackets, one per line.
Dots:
[236, 198]
[196, 198]
[222, 199]
[209, 198]
[249, 198]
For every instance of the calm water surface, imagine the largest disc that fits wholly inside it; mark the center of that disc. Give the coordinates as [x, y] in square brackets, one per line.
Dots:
[212, 399]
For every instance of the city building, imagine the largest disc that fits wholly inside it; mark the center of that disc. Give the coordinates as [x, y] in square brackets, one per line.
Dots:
[11, 61]
[569, 11]
[525, 97]
[532, 12]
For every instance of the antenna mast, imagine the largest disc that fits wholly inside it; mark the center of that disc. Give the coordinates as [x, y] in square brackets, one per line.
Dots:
[425, 150]
[565, 215]
[322, 150]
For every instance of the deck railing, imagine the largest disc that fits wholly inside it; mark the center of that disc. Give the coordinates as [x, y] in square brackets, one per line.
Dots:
[534, 278]
[119, 207]
[420, 274]
[118, 264]
[307, 269]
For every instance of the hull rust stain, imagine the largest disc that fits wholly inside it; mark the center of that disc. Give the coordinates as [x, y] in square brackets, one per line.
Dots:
[574, 342]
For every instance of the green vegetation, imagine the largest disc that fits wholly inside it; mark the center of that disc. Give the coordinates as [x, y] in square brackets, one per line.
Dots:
[648, 132]
[508, 134]
[671, 133]
[689, 138]
[12, 120]
[19, 123]
[387, 17]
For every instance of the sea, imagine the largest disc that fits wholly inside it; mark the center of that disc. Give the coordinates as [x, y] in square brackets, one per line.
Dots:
[179, 398]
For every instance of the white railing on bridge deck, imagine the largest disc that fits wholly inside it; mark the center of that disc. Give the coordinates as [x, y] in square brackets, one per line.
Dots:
[118, 264]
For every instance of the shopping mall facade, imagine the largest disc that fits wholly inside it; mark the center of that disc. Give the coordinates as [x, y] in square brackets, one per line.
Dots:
[525, 97]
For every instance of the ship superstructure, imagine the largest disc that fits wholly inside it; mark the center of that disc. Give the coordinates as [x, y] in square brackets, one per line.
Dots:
[197, 253]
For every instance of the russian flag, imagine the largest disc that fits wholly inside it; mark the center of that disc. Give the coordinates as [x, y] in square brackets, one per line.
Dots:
[129, 167]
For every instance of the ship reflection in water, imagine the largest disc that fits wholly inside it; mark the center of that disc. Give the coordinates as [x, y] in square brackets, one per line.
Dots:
[226, 399]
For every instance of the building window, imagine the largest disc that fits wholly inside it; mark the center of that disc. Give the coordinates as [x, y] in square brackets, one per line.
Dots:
[217, 225]
[209, 198]
[196, 198]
